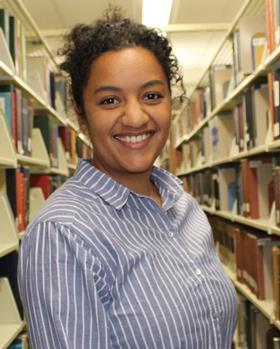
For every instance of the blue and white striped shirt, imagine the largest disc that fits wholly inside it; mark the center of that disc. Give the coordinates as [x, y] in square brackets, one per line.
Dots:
[103, 267]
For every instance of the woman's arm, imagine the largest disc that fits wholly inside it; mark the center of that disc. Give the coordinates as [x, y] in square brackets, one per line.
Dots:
[61, 294]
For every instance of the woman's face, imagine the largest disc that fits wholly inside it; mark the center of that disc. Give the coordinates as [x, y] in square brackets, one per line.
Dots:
[128, 106]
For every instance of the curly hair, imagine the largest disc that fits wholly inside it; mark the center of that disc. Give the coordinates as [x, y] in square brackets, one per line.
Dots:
[85, 43]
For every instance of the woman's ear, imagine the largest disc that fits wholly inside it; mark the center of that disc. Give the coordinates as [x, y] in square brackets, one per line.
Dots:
[83, 125]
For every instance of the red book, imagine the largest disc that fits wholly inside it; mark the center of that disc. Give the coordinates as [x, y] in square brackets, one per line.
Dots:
[254, 264]
[41, 181]
[270, 26]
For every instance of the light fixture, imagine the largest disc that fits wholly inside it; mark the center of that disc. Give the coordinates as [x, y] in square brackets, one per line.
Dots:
[156, 13]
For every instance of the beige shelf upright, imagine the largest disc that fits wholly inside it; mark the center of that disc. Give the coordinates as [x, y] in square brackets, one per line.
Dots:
[8, 237]
[10, 322]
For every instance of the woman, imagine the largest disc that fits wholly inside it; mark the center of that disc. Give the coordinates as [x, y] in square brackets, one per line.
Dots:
[121, 256]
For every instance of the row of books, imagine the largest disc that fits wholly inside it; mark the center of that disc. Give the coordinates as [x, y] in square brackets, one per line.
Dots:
[252, 256]
[249, 46]
[15, 36]
[73, 146]
[231, 132]
[19, 113]
[254, 330]
[19, 181]
[248, 188]
[50, 133]
[32, 65]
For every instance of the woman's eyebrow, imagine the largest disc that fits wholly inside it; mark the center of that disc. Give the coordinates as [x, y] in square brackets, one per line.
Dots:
[107, 88]
[152, 83]
[118, 89]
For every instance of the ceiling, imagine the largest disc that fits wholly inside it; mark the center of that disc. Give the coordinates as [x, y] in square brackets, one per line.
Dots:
[193, 47]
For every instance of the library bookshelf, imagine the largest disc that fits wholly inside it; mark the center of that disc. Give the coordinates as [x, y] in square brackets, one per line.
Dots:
[224, 145]
[40, 144]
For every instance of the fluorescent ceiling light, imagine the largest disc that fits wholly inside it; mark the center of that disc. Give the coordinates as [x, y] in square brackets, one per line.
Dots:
[156, 13]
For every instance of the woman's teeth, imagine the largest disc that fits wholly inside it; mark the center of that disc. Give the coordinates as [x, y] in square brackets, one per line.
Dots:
[134, 139]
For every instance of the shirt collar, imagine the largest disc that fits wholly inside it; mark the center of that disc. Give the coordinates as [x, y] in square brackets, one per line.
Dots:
[115, 194]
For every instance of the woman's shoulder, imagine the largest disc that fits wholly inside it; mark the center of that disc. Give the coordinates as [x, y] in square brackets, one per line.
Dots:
[67, 204]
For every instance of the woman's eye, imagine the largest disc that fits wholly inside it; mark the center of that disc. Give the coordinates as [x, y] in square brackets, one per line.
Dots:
[109, 101]
[152, 96]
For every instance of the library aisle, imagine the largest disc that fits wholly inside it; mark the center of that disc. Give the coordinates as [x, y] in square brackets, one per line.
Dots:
[224, 145]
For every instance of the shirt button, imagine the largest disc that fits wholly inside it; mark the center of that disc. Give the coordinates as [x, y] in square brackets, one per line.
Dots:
[171, 234]
[216, 315]
[198, 272]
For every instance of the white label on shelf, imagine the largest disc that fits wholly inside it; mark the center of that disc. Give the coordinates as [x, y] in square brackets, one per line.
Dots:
[247, 137]
[259, 41]
[19, 147]
[276, 129]
[254, 163]
[29, 144]
[246, 207]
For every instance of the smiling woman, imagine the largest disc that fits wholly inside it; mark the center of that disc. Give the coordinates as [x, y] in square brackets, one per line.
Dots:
[121, 256]
[127, 106]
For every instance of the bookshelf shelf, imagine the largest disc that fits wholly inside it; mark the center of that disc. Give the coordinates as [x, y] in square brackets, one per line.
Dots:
[227, 156]
[72, 125]
[261, 224]
[245, 154]
[41, 104]
[229, 102]
[6, 248]
[39, 156]
[84, 139]
[8, 237]
[11, 77]
[10, 322]
[21, 235]
[8, 333]
[72, 167]
[265, 307]
[28, 160]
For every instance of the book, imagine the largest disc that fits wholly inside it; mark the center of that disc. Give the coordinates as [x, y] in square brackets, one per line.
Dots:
[42, 181]
[222, 135]
[45, 123]
[4, 23]
[219, 75]
[270, 25]
[254, 260]
[276, 280]
[227, 188]
[249, 29]
[260, 111]
[258, 46]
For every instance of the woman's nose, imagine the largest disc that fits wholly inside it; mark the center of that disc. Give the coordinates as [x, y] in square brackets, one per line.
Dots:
[134, 114]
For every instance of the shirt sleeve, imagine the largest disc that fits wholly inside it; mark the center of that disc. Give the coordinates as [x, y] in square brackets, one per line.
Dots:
[62, 291]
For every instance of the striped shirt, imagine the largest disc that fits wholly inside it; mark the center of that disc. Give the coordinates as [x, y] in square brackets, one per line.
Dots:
[103, 267]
